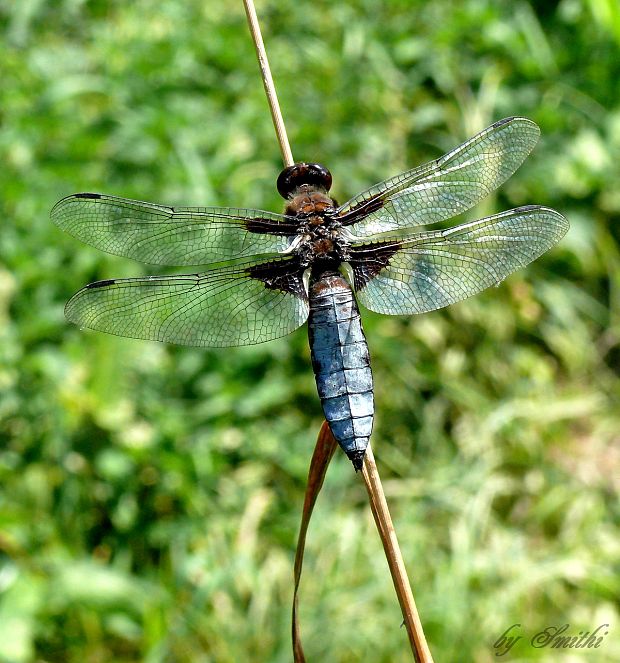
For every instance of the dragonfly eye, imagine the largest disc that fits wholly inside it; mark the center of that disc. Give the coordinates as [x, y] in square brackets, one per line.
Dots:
[293, 177]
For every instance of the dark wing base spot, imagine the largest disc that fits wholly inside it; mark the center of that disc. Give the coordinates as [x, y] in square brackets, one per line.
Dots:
[367, 261]
[269, 226]
[284, 276]
[361, 210]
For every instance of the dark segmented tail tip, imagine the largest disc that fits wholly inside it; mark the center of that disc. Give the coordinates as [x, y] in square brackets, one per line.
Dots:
[357, 458]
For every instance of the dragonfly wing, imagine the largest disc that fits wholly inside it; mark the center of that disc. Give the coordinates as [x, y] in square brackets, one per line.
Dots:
[433, 269]
[445, 187]
[163, 235]
[227, 305]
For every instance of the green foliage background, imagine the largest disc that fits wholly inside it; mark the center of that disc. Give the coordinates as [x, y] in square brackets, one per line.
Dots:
[150, 495]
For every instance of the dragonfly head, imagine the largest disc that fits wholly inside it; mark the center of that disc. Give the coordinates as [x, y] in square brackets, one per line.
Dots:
[311, 175]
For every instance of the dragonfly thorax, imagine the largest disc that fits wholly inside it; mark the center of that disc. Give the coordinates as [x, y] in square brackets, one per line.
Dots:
[310, 204]
[319, 236]
[322, 243]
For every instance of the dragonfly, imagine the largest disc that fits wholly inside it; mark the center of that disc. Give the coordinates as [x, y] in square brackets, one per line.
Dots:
[264, 274]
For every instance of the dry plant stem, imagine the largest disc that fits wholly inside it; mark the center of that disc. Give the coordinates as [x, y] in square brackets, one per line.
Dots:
[394, 557]
[270, 90]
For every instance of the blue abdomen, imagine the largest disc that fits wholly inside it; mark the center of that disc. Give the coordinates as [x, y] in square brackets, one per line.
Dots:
[341, 364]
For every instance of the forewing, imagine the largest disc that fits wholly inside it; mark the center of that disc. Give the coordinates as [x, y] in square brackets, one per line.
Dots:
[445, 187]
[163, 235]
[431, 270]
[227, 305]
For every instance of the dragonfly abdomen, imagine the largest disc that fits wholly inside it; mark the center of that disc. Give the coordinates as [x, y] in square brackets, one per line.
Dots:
[341, 364]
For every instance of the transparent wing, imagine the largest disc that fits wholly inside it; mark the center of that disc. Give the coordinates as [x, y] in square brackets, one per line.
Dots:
[227, 305]
[171, 235]
[431, 270]
[445, 187]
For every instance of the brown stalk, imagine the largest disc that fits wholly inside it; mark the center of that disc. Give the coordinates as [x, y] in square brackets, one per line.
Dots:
[385, 526]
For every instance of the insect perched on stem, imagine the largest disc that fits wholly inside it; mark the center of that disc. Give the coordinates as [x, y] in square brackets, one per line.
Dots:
[268, 273]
